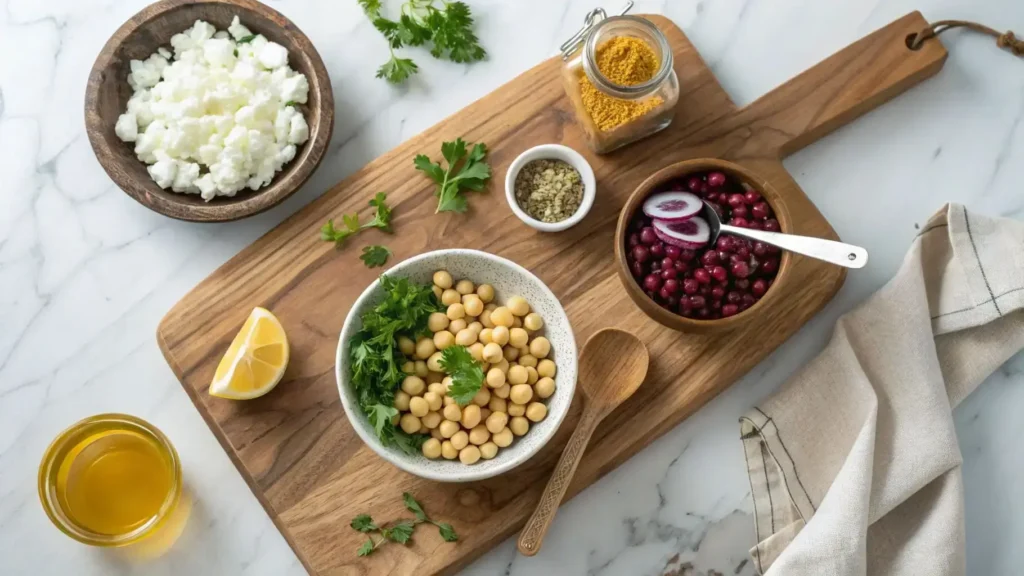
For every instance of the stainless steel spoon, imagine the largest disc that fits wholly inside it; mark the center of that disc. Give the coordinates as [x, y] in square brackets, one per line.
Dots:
[838, 253]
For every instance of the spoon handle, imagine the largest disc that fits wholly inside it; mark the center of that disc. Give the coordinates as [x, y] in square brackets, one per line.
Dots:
[536, 527]
[839, 253]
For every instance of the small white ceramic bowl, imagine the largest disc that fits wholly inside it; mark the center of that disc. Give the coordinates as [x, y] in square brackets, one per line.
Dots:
[509, 279]
[552, 152]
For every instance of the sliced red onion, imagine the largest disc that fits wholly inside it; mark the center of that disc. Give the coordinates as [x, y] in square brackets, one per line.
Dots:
[673, 206]
[692, 233]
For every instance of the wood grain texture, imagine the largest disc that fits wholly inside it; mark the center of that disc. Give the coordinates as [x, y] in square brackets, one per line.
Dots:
[296, 449]
[107, 95]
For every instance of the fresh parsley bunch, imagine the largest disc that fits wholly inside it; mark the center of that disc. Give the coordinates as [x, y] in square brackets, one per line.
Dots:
[448, 28]
[471, 174]
[376, 361]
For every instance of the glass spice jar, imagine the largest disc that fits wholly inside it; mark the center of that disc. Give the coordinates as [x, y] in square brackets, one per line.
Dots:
[614, 114]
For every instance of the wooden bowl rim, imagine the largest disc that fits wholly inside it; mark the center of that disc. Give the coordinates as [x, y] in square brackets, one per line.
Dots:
[648, 306]
[307, 159]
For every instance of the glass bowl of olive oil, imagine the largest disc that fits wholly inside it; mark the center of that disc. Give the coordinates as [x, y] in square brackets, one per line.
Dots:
[114, 480]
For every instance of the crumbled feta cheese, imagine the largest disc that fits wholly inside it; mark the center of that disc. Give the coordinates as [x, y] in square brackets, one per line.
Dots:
[215, 120]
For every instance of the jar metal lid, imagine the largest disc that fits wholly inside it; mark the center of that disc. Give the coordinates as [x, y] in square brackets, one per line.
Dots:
[592, 19]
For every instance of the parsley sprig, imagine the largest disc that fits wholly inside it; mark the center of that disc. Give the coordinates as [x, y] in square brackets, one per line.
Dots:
[381, 220]
[449, 28]
[375, 256]
[467, 374]
[375, 361]
[466, 171]
[399, 531]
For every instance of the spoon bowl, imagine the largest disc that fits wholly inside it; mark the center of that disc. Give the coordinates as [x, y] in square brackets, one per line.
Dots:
[613, 365]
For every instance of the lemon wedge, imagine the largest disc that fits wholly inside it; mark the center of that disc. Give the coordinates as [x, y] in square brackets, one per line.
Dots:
[256, 360]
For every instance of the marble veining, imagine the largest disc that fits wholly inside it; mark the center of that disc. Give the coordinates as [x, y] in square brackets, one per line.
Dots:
[86, 273]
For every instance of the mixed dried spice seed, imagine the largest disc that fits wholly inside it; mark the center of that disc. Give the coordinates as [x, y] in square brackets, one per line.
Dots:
[549, 190]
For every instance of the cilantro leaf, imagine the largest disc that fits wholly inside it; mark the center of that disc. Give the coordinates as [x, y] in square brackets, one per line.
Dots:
[453, 35]
[411, 32]
[246, 39]
[380, 416]
[413, 506]
[400, 532]
[397, 70]
[370, 7]
[382, 217]
[375, 256]
[447, 532]
[467, 375]
[366, 549]
[381, 220]
[466, 170]
[363, 523]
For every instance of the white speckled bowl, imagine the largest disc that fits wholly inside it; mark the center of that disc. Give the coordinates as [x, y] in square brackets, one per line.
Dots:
[509, 279]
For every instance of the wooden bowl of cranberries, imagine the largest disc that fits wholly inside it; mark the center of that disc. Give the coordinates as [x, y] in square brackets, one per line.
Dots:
[671, 269]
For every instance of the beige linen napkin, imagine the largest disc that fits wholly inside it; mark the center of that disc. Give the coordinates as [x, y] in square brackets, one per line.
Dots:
[854, 464]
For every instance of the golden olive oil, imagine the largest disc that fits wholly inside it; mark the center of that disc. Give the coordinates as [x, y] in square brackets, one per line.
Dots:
[114, 480]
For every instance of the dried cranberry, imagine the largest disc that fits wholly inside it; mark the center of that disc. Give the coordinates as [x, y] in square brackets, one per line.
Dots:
[665, 294]
[743, 252]
[681, 266]
[737, 222]
[637, 269]
[691, 286]
[669, 273]
[724, 243]
[710, 258]
[736, 200]
[672, 252]
[641, 253]
[716, 179]
[772, 225]
[770, 266]
[658, 249]
[686, 255]
[751, 197]
[694, 183]
[759, 287]
[760, 249]
[740, 212]
[702, 276]
[733, 297]
[671, 285]
[739, 269]
[761, 210]
[634, 239]
[742, 284]
[748, 301]
[717, 293]
[719, 273]
[647, 235]
[730, 310]
[652, 282]
[697, 301]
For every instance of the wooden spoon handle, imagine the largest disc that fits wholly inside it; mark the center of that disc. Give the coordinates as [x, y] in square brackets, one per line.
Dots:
[536, 527]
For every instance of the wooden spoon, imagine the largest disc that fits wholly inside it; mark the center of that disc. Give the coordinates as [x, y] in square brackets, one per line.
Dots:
[613, 365]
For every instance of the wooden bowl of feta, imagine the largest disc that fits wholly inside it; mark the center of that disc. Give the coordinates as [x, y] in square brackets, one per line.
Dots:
[209, 111]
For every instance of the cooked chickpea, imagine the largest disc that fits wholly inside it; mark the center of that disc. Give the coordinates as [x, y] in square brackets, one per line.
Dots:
[503, 365]
[457, 326]
[469, 455]
[517, 375]
[482, 397]
[449, 297]
[421, 365]
[475, 327]
[502, 439]
[409, 367]
[431, 420]
[527, 361]
[448, 428]
[436, 388]
[396, 419]
[533, 322]
[418, 406]
[531, 375]
[516, 409]
[432, 449]
[518, 305]
[499, 335]
[502, 316]
[424, 348]
[438, 292]
[433, 400]
[485, 318]
[453, 413]
[476, 350]
[484, 413]
[443, 339]
[413, 385]
[435, 433]
[497, 404]
[434, 377]
[485, 292]
[496, 422]
[491, 306]
[517, 322]
[448, 400]
[492, 353]
[402, 401]
[521, 393]
[546, 368]
[510, 353]
[488, 450]
[536, 411]
[479, 435]
[448, 452]
[410, 424]
[465, 287]
[518, 337]
[473, 305]
[465, 337]
[470, 416]
[519, 425]
[461, 439]
[434, 362]
[524, 351]
[540, 347]
[486, 335]
[437, 321]
[443, 279]
[406, 345]
[544, 387]
[456, 311]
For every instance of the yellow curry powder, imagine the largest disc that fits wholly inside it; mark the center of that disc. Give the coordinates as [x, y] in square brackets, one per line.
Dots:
[625, 61]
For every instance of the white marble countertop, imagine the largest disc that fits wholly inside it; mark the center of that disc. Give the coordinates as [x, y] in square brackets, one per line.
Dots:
[86, 273]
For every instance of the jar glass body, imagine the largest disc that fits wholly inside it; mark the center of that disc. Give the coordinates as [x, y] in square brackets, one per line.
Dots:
[587, 86]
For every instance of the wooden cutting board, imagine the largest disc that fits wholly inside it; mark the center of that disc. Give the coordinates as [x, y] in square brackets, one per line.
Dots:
[295, 447]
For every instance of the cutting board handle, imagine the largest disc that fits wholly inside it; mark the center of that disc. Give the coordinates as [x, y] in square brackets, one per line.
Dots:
[843, 87]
